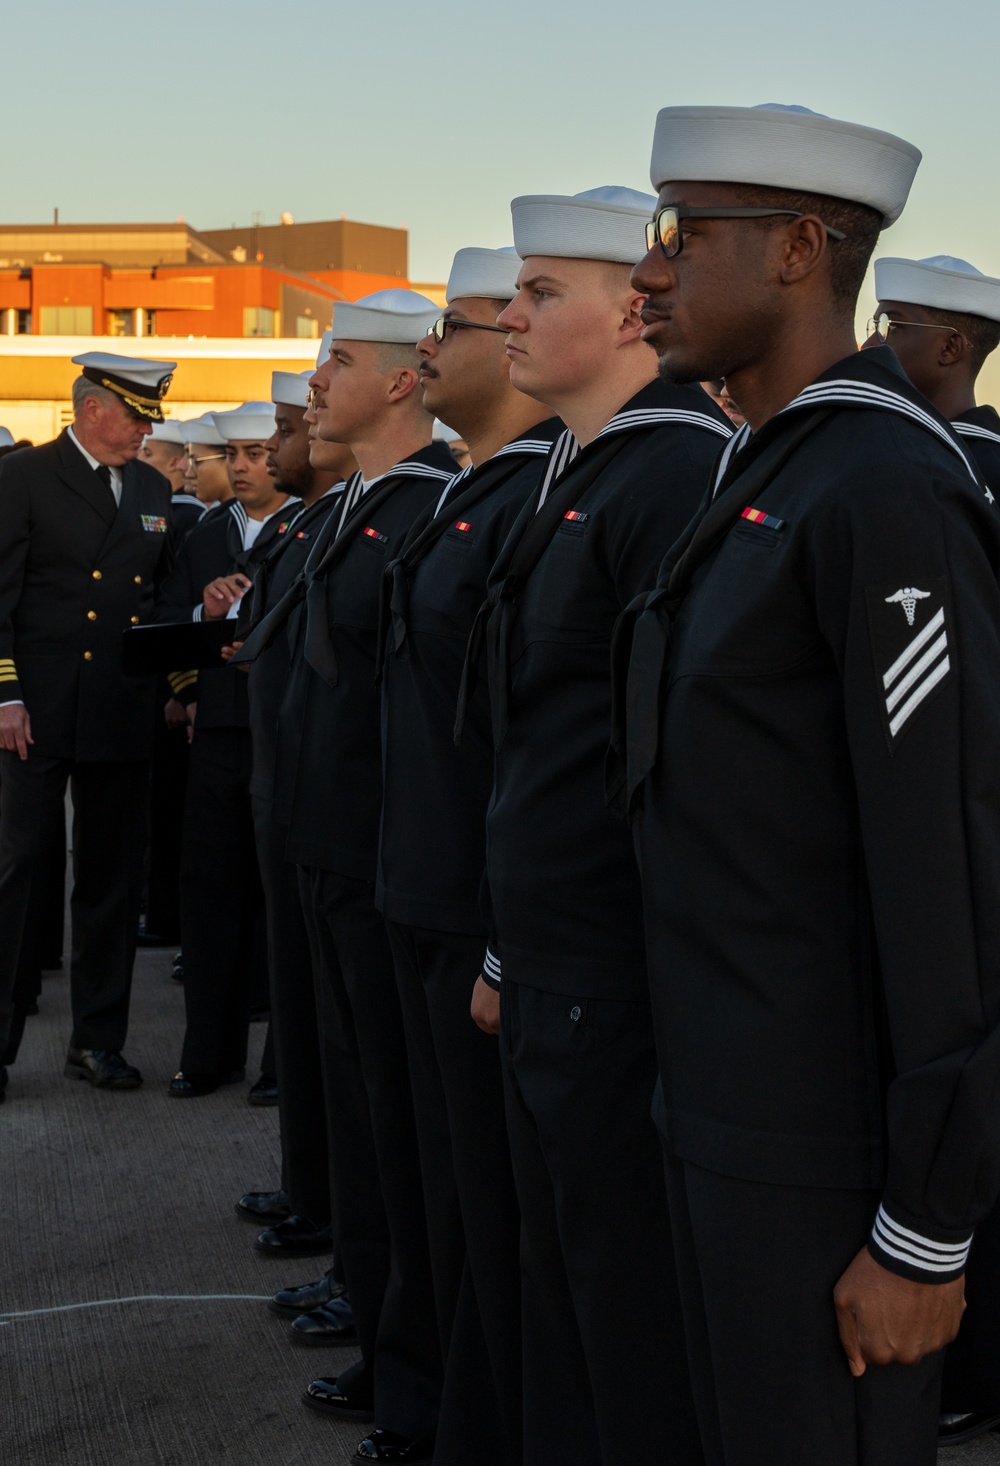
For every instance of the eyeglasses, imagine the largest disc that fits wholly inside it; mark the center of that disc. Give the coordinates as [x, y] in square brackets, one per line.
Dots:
[205, 458]
[665, 229]
[443, 325]
[881, 325]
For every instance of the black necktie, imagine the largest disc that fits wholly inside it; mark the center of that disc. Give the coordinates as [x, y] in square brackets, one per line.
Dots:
[104, 474]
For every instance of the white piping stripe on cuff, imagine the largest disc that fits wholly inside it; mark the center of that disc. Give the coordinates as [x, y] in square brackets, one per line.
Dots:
[923, 1252]
[198, 613]
[491, 965]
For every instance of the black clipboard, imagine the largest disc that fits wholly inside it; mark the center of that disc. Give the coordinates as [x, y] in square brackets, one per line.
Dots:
[182, 646]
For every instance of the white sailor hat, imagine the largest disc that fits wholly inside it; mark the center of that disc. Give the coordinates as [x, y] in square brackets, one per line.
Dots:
[484, 274]
[251, 423]
[291, 388]
[6, 438]
[941, 282]
[599, 224]
[170, 430]
[775, 146]
[323, 354]
[399, 316]
[141, 384]
[202, 430]
[442, 433]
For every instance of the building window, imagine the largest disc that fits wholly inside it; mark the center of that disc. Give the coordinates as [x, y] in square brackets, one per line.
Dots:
[67, 320]
[121, 323]
[24, 323]
[149, 324]
[306, 327]
[258, 320]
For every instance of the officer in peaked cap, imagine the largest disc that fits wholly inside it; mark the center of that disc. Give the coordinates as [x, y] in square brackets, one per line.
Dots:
[84, 540]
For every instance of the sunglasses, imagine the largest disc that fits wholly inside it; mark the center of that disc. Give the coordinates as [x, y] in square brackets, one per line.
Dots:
[442, 326]
[665, 228]
[881, 325]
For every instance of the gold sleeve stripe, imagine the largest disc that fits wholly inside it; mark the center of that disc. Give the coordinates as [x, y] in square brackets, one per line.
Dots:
[8, 676]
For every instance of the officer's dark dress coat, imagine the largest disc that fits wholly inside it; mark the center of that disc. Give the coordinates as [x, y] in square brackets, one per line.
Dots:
[75, 572]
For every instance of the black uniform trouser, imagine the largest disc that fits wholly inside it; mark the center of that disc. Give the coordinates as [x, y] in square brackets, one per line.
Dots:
[108, 810]
[472, 1214]
[605, 1366]
[758, 1265]
[972, 1362]
[168, 783]
[221, 902]
[377, 1196]
[294, 1027]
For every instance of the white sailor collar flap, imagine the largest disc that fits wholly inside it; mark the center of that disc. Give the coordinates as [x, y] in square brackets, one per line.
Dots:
[856, 385]
[912, 646]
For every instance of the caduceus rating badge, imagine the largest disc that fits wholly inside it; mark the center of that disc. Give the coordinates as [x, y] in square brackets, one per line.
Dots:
[908, 597]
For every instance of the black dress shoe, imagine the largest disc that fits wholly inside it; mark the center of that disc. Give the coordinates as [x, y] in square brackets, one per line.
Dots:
[386, 1446]
[263, 1206]
[323, 1395]
[103, 1068]
[264, 1092]
[954, 1429]
[193, 1086]
[294, 1237]
[333, 1323]
[293, 1302]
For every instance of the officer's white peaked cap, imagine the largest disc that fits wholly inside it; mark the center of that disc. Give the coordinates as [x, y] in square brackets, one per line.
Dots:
[170, 430]
[792, 148]
[323, 353]
[941, 282]
[202, 430]
[251, 423]
[600, 224]
[139, 382]
[7, 439]
[291, 388]
[400, 317]
[483, 274]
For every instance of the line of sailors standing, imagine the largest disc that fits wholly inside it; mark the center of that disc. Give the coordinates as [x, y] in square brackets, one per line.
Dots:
[426, 672]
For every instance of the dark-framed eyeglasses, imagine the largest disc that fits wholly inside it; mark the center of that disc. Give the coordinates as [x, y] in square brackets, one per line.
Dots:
[881, 325]
[665, 228]
[444, 324]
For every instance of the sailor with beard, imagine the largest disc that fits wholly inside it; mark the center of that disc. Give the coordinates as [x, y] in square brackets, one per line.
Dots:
[433, 847]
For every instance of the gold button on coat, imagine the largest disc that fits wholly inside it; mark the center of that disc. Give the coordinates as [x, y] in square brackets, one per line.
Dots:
[96, 574]
[135, 620]
[91, 615]
[88, 656]
[138, 580]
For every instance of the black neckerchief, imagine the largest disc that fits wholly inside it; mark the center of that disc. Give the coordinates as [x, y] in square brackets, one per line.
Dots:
[870, 379]
[466, 490]
[570, 471]
[328, 552]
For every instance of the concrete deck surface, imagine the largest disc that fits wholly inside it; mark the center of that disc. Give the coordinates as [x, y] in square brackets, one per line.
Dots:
[106, 1199]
